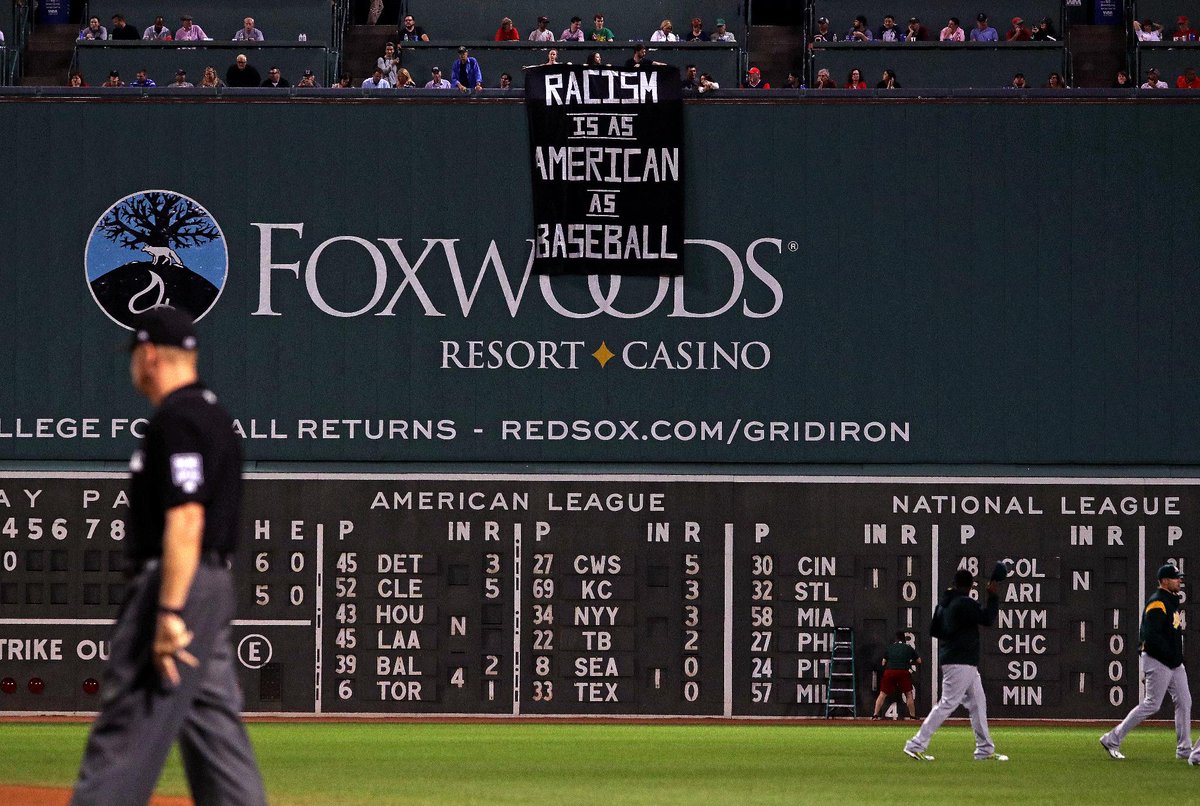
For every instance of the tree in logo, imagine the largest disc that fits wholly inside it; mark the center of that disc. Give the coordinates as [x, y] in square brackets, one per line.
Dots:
[160, 225]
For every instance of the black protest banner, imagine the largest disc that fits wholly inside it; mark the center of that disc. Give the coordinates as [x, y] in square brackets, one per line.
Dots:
[607, 167]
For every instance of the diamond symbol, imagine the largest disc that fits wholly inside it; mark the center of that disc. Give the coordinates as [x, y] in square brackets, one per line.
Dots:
[603, 354]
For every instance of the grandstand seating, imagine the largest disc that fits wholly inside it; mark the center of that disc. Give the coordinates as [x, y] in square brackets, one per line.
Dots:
[942, 65]
[221, 19]
[1165, 12]
[629, 20]
[161, 60]
[934, 13]
[722, 61]
[1169, 58]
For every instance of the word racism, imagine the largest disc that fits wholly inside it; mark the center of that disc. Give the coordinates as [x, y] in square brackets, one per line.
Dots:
[593, 134]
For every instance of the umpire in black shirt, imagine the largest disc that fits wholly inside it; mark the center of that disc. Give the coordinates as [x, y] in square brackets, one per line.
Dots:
[170, 674]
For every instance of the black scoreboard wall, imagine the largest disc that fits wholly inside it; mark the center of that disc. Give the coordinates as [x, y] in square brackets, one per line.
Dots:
[610, 595]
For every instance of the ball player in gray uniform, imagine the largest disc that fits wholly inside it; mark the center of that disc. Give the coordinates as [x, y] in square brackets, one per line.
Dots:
[956, 624]
[170, 672]
[1161, 638]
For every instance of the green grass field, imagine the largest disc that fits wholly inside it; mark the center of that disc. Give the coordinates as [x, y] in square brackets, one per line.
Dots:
[527, 763]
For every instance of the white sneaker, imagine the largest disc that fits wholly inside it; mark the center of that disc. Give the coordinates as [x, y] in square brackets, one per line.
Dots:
[1113, 752]
[917, 755]
[994, 757]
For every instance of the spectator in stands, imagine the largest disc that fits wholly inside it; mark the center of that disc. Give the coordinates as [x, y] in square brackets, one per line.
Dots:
[1153, 82]
[141, 80]
[574, 33]
[506, 81]
[181, 81]
[76, 79]
[952, 32]
[343, 82]
[719, 34]
[1123, 81]
[916, 32]
[1018, 82]
[375, 82]
[888, 81]
[888, 32]
[638, 58]
[404, 80]
[697, 34]
[595, 60]
[122, 30]
[1056, 82]
[275, 80]
[859, 32]
[241, 73]
[158, 31]
[209, 79]
[1189, 80]
[1018, 32]
[437, 82]
[248, 33]
[552, 56]
[507, 32]
[114, 80]
[189, 32]
[983, 30]
[707, 84]
[664, 33]
[465, 74]
[94, 31]
[793, 82]
[1044, 31]
[309, 81]
[599, 32]
[1147, 30]
[388, 62]
[824, 33]
[691, 80]
[824, 80]
[854, 81]
[1184, 32]
[541, 33]
[411, 32]
[754, 80]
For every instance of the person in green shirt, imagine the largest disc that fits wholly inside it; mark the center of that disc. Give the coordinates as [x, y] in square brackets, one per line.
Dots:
[899, 659]
[600, 33]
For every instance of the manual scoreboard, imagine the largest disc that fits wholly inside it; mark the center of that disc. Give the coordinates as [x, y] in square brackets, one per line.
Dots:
[610, 595]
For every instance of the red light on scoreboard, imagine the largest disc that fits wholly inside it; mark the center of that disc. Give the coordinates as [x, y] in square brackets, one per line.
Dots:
[8, 685]
[91, 685]
[36, 685]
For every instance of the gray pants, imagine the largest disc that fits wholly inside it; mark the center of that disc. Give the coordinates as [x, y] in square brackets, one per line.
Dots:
[961, 685]
[140, 718]
[1160, 681]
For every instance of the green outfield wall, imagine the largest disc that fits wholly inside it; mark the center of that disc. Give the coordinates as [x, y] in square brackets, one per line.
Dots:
[871, 281]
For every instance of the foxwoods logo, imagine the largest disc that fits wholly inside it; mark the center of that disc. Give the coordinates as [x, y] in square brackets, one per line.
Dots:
[155, 248]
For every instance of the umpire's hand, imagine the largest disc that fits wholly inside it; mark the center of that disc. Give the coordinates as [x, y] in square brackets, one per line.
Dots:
[171, 639]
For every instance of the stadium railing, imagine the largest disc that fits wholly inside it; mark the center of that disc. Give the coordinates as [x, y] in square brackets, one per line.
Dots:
[721, 60]
[1169, 58]
[162, 59]
[942, 65]
[629, 20]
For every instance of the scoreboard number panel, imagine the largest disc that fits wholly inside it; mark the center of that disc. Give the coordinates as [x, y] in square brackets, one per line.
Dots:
[712, 596]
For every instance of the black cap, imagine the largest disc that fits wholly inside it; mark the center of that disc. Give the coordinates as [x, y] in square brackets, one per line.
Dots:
[169, 327]
[982, 17]
[308, 71]
[113, 74]
[462, 48]
[1169, 571]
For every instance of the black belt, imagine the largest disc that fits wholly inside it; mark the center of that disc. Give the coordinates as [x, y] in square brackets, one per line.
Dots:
[213, 559]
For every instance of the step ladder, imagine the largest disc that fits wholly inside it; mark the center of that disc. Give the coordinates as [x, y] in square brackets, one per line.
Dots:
[841, 696]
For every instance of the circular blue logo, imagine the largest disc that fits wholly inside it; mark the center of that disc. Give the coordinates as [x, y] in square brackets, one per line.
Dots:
[155, 248]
